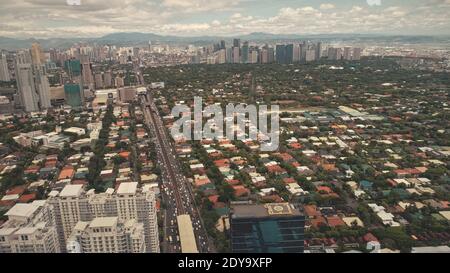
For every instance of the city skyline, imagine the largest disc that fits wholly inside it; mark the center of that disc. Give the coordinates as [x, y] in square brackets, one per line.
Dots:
[55, 18]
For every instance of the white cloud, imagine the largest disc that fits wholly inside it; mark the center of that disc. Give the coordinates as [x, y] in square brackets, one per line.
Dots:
[327, 6]
[53, 18]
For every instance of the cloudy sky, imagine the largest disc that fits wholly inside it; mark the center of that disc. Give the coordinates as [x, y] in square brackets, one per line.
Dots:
[93, 18]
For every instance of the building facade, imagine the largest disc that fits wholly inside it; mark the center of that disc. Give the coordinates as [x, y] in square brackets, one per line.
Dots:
[269, 228]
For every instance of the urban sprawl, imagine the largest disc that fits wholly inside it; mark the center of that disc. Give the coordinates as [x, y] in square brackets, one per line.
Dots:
[88, 163]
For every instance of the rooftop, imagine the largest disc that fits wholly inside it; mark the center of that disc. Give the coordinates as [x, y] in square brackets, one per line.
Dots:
[127, 188]
[23, 210]
[266, 210]
[71, 191]
[103, 222]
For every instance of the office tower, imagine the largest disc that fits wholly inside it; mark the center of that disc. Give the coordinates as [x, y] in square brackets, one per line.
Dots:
[37, 55]
[108, 79]
[270, 55]
[222, 56]
[32, 84]
[30, 228]
[296, 53]
[99, 81]
[229, 55]
[73, 204]
[334, 53]
[347, 53]
[281, 54]
[4, 70]
[73, 93]
[245, 53]
[237, 43]
[127, 94]
[73, 68]
[339, 54]
[88, 79]
[26, 88]
[269, 228]
[318, 51]
[303, 48]
[42, 86]
[222, 44]
[356, 54]
[289, 54]
[236, 55]
[107, 235]
[253, 56]
[264, 55]
[310, 55]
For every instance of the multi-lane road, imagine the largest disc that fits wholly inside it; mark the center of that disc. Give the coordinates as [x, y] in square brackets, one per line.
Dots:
[176, 191]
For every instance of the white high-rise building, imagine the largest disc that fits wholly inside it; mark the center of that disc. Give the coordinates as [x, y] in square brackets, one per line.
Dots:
[73, 204]
[4, 71]
[253, 57]
[32, 84]
[42, 87]
[310, 55]
[347, 53]
[356, 54]
[30, 228]
[107, 235]
[26, 87]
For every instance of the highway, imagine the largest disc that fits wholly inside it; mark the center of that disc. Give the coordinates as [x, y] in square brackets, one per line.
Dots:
[176, 192]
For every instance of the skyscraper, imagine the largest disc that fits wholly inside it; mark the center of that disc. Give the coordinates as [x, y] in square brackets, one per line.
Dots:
[42, 87]
[356, 54]
[253, 56]
[107, 235]
[30, 229]
[37, 55]
[269, 228]
[236, 55]
[296, 54]
[237, 43]
[88, 79]
[26, 87]
[72, 218]
[281, 54]
[4, 71]
[318, 51]
[128, 202]
[245, 53]
[289, 54]
[270, 55]
[73, 94]
[347, 53]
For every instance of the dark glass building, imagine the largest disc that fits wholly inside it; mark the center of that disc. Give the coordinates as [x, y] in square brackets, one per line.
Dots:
[268, 228]
[281, 54]
[289, 54]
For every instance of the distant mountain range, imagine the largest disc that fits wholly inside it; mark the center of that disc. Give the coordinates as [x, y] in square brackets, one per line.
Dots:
[137, 38]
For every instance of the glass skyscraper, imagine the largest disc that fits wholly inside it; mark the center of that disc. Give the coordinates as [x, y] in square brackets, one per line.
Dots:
[268, 228]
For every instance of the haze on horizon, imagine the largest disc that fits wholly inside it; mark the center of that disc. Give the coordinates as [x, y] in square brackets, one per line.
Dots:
[94, 18]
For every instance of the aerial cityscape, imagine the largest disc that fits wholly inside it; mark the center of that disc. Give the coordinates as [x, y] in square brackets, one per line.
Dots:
[253, 126]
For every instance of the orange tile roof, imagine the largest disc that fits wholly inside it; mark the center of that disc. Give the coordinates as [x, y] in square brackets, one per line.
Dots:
[335, 221]
[66, 173]
[311, 211]
[240, 191]
[124, 154]
[17, 190]
[214, 198]
[26, 198]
